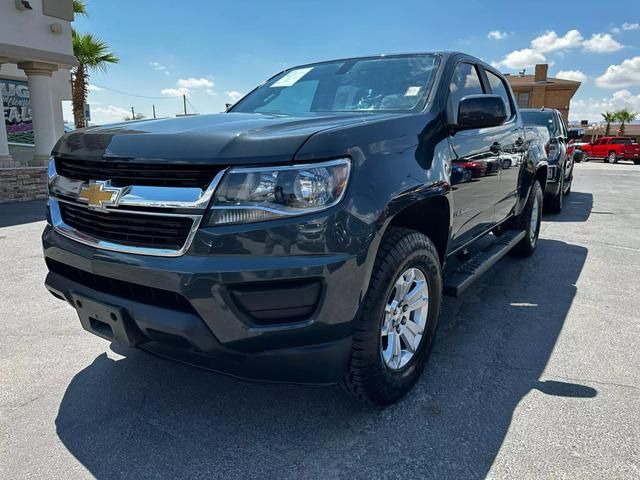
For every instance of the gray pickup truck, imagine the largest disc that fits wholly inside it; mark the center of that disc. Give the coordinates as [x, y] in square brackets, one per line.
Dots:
[308, 233]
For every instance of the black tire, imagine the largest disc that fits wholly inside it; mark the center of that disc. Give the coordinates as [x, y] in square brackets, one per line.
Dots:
[527, 245]
[636, 162]
[567, 188]
[612, 157]
[553, 204]
[368, 378]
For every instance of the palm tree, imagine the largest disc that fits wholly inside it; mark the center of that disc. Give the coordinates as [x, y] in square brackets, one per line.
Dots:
[625, 116]
[80, 7]
[609, 117]
[92, 54]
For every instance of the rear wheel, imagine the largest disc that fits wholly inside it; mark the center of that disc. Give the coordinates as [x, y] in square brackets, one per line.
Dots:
[612, 157]
[529, 221]
[395, 330]
[636, 162]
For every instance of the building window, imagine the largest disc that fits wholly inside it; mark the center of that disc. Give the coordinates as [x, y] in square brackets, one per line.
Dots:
[523, 99]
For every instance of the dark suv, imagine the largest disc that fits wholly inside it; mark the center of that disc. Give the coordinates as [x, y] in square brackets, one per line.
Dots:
[560, 161]
[307, 234]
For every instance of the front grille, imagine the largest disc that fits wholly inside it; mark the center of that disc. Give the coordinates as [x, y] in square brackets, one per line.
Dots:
[128, 228]
[125, 173]
[119, 288]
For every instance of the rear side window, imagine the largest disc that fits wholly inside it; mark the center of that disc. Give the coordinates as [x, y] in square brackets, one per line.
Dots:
[621, 141]
[499, 88]
[465, 81]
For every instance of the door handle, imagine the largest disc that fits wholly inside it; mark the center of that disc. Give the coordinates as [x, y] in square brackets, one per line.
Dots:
[495, 148]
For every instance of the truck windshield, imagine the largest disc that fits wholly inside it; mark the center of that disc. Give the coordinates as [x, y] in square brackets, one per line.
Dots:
[542, 118]
[398, 83]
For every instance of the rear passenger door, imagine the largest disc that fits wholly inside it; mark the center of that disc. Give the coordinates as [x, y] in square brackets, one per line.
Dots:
[510, 138]
[475, 160]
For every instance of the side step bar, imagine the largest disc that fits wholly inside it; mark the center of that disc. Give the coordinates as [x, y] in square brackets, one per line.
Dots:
[478, 264]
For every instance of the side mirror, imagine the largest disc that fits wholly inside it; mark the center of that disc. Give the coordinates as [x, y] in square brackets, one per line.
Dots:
[575, 133]
[481, 111]
[228, 105]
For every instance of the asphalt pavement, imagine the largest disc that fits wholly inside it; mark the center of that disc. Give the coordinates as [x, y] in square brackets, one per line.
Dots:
[535, 374]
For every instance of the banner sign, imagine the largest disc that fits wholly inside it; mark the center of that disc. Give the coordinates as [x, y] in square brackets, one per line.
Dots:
[17, 111]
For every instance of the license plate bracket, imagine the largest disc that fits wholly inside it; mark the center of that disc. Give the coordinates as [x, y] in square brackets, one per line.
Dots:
[107, 321]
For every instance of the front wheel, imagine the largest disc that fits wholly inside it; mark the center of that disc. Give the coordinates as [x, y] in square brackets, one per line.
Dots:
[529, 221]
[612, 157]
[553, 204]
[398, 318]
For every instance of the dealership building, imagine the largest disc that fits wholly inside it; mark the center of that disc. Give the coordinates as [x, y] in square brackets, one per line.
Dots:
[539, 90]
[35, 58]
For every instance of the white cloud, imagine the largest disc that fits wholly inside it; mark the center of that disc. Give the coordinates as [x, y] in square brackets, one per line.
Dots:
[550, 41]
[175, 92]
[602, 43]
[497, 35]
[233, 95]
[623, 75]
[631, 26]
[209, 91]
[575, 75]
[108, 114]
[526, 57]
[195, 83]
[94, 88]
[592, 108]
[157, 66]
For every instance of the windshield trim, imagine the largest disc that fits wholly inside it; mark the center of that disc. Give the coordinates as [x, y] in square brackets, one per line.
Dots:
[418, 108]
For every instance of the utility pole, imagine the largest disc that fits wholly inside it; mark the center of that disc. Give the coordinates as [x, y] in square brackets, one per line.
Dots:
[133, 114]
[184, 103]
[154, 111]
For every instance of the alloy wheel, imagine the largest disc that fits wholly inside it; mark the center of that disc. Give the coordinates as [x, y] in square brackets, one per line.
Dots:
[405, 318]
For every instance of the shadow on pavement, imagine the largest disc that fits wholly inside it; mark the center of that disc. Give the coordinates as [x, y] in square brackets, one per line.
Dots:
[19, 213]
[141, 416]
[577, 208]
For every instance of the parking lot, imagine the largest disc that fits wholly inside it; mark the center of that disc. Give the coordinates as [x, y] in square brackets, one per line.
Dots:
[535, 374]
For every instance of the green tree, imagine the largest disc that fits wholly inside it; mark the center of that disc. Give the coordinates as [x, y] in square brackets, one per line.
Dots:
[80, 7]
[609, 117]
[93, 55]
[625, 116]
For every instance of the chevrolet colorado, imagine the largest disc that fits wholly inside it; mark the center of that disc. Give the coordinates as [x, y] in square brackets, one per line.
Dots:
[308, 233]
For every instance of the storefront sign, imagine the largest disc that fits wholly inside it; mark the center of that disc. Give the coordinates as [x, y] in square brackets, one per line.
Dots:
[17, 111]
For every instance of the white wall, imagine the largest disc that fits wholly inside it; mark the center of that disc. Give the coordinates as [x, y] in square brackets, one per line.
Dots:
[31, 28]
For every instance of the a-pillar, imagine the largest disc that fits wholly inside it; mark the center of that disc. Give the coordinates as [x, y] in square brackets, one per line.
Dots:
[41, 95]
[5, 157]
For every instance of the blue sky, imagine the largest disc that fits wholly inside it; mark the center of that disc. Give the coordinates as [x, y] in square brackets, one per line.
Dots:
[214, 51]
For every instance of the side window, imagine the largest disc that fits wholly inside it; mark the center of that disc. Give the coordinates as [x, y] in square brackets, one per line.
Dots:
[499, 88]
[562, 125]
[465, 82]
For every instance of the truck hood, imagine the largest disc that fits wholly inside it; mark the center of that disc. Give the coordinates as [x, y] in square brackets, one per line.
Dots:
[225, 138]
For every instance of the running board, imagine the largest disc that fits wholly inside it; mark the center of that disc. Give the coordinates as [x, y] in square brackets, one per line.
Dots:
[478, 264]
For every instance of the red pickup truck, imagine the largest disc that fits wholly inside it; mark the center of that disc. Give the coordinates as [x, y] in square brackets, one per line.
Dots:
[612, 149]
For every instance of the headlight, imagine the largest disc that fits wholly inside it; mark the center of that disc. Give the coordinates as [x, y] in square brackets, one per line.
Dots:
[248, 195]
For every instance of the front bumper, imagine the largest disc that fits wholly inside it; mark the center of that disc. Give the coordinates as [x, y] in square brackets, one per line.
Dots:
[221, 312]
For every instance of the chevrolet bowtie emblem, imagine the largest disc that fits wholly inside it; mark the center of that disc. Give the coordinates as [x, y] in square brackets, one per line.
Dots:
[100, 194]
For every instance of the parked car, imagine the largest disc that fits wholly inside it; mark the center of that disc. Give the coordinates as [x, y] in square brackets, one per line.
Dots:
[612, 149]
[575, 150]
[560, 162]
[305, 235]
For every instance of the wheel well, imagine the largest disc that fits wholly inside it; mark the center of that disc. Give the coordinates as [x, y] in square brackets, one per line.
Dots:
[541, 176]
[430, 217]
